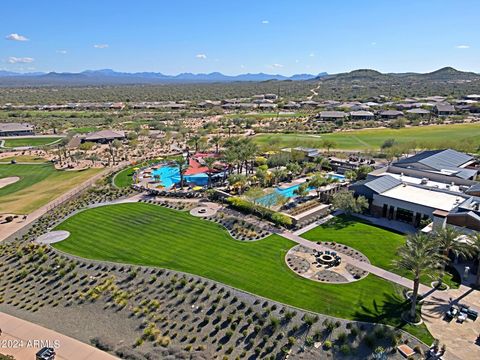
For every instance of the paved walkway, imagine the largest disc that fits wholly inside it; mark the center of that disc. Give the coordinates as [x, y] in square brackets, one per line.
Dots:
[314, 225]
[459, 338]
[18, 337]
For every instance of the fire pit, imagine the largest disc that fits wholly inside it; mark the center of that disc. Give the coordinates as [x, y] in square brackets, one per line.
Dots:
[326, 259]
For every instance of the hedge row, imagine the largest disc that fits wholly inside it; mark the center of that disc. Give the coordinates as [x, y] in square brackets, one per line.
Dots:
[248, 207]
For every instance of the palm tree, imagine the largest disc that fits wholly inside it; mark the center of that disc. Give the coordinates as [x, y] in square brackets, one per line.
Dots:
[209, 161]
[475, 249]
[420, 256]
[448, 244]
[215, 140]
[238, 181]
[181, 165]
[194, 140]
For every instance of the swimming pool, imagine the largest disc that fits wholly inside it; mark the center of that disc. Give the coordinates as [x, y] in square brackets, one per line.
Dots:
[339, 177]
[169, 176]
[285, 192]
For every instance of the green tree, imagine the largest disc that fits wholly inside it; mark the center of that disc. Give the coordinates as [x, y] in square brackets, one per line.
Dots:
[302, 190]
[420, 256]
[182, 166]
[209, 163]
[328, 144]
[475, 251]
[346, 201]
[447, 239]
[216, 140]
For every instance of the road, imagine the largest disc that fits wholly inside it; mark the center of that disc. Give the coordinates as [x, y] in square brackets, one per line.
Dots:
[23, 339]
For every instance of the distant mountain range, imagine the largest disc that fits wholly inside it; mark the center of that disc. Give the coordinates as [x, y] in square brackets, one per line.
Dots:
[443, 74]
[109, 76]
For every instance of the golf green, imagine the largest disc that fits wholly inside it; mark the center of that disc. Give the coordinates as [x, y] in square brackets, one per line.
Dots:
[38, 184]
[146, 234]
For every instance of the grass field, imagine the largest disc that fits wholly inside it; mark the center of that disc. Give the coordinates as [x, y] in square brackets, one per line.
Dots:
[38, 185]
[31, 141]
[139, 233]
[83, 130]
[377, 244]
[124, 178]
[24, 158]
[425, 136]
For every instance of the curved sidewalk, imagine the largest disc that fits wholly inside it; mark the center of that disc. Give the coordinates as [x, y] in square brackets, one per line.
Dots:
[21, 339]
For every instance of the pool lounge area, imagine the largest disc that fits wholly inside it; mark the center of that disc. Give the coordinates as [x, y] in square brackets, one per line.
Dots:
[289, 191]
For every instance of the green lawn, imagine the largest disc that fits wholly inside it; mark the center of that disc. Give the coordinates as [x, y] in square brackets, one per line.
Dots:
[31, 141]
[124, 178]
[83, 130]
[426, 136]
[24, 158]
[377, 244]
[139, 233]
[38, 185]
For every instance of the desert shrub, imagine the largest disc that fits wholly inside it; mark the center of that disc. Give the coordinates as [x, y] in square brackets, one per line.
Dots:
[327, 345]
[345, 349]
[102, 343]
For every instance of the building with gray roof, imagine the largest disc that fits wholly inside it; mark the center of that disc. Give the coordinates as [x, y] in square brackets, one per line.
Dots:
[447, 162]
[16, 129]
[332, 115]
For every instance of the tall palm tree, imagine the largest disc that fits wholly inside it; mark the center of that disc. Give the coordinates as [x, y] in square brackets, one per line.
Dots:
[475, 249]
[194, 140]
[209, 161]
[420, 256]
[181, 165]
[448, 244]
[215, 140]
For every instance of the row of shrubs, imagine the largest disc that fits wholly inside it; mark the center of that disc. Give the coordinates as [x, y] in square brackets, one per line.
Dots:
[248, 207]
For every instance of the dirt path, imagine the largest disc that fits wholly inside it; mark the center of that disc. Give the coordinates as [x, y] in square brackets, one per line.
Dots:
[22, 339]
[314, 92]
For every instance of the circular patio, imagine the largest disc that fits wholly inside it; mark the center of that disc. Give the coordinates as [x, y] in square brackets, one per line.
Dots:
[323, 266]
[52, 237]
[206, 209]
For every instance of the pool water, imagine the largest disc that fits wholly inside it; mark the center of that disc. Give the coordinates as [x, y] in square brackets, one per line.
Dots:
[285, 192]
[290, 191]
[169, 176]
[337, 176]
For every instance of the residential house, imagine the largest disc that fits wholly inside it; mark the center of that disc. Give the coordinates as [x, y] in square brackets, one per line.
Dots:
[390, 114]
[332, 115]
[361, 115]
[444, 109]
[104, 136]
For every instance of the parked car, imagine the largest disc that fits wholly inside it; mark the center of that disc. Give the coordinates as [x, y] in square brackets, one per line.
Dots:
[47, 353]
[452, 312]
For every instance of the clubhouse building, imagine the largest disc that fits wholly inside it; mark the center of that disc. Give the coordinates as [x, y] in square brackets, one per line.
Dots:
[16, 129]
[437, 185]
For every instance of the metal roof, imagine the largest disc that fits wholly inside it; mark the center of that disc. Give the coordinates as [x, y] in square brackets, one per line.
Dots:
[383, 183]
[361, 113]
[438, 159]
[332, 114]
[445, 107]
[6, 127]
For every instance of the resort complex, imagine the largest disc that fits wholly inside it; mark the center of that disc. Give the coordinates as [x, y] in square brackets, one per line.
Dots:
[245, 185]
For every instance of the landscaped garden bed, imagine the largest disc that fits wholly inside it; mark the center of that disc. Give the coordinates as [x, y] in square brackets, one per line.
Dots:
[146, 234]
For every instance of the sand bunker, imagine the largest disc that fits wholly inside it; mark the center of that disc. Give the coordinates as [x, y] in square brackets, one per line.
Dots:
[8, 180]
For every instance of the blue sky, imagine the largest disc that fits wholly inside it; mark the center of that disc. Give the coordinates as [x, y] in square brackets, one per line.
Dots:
[287, 37]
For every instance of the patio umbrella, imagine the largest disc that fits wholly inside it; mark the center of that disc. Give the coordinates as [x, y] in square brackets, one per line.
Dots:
[196, 188]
